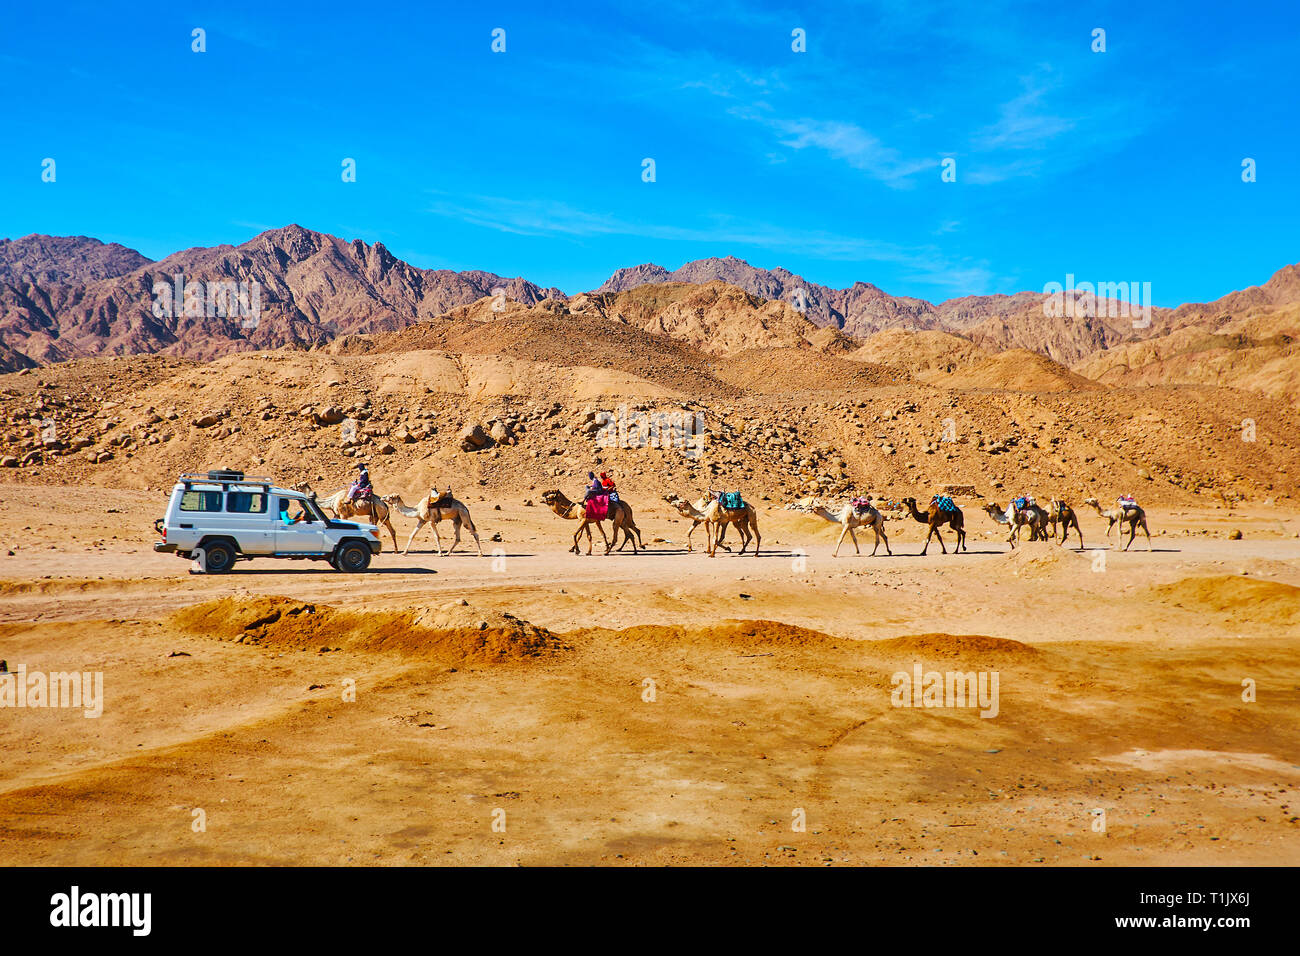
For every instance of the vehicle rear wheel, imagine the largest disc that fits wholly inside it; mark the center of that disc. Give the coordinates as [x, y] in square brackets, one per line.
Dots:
[352, 557]
[218, 557]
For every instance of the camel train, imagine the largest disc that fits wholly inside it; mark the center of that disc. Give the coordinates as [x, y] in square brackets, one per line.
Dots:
[718, 510]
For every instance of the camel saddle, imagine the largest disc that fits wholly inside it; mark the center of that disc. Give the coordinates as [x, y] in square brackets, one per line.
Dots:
[731, 500]
[1127, 502]
[445, 500]
[1023, 502]
[860, 504]
[597, 508]
[943, 503]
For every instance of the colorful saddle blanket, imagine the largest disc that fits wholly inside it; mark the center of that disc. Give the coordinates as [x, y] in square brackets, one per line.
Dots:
[860, 504]
[1023, 502]
[1127, 501]
[731, 500]
[598, 508]
[943, 503]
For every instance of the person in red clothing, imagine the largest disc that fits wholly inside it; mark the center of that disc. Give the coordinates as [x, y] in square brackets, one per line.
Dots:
[607, 485]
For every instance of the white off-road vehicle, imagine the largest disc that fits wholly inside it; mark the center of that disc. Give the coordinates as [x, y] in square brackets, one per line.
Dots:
[219, 517]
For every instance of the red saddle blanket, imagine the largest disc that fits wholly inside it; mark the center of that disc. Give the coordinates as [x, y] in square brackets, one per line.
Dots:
[598, 508]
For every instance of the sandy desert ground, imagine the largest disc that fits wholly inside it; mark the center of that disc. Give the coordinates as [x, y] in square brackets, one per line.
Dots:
[501, 711]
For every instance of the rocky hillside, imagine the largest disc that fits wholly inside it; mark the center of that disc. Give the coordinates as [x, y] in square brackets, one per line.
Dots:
[51, 259]
[66, 298]
[313, 287]
[512, 406]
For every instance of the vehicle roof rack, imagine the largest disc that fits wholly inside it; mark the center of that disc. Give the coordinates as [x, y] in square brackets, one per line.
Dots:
[222, 476]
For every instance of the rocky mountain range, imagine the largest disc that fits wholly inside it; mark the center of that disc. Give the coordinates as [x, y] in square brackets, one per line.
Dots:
[63, 298]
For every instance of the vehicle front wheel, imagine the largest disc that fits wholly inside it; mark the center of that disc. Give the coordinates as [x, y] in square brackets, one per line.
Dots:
[352, 557]
[218, 557]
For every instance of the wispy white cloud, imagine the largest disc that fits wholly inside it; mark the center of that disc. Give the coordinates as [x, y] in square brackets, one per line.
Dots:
[1026, 122]
[555, 219]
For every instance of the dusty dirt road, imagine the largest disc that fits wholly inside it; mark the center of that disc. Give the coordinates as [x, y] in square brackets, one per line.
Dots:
[658, 708]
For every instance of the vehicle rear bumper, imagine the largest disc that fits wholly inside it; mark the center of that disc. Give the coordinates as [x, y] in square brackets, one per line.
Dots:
[164, 547]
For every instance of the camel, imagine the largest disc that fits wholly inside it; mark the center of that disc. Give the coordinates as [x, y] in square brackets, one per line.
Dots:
[1017, 518]
[1062, 514]
[744, 518]
[1134, 516]
[849, 518]
[620, 516]
[696, 513]
[430, 512]
[936, 519]
[344, 508]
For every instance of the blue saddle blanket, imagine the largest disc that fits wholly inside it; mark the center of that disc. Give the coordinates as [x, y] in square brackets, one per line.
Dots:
[731, 500]
[944, 503]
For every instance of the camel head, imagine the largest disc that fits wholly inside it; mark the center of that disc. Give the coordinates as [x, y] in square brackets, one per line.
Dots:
[681, 505]
[996, 512]
[302, 488]
[1092, 501]
[552, 497]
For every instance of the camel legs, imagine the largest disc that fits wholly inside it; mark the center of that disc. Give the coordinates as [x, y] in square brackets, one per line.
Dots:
[391, 530]
[745, 537]
[879, 529]
[934, 530]
[1132, 532]
[847, 529]
[477, 543]
[413, 534]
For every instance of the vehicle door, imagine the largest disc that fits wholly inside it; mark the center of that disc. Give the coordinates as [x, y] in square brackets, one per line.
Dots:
[306, 534]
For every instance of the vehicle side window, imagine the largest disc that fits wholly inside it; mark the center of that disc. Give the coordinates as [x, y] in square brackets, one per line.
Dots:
[246, 502]
[201, 501]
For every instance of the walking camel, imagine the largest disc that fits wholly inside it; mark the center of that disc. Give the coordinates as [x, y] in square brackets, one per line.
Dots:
[1135, 517]
[696, 513]
[937, 519]
[1062, 514]
[850, 518]
[745, 518]
[1017, 518]
[432, 509]
[619, 515]
[344, 508]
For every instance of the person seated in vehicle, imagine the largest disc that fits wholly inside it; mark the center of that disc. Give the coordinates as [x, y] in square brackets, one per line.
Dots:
[300, 513]
[361, 488]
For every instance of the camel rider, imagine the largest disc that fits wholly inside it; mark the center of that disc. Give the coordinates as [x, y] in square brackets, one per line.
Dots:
[595, 489]
[607, 485]
[361, 488]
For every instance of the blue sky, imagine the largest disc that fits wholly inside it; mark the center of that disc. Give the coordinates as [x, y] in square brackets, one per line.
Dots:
[1115, 166]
